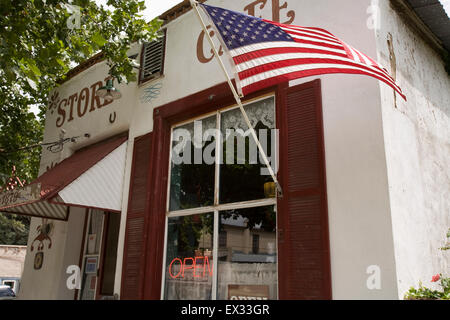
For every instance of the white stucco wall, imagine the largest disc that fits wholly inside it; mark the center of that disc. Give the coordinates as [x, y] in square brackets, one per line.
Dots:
[417, 143]
[42, 283]
[49, 282]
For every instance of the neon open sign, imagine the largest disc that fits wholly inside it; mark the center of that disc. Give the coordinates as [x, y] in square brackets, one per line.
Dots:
[198, 266]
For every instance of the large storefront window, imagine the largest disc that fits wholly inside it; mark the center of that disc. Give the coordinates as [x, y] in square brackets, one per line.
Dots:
[221, 209]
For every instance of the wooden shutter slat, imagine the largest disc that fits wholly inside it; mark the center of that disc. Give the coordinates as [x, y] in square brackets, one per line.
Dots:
[134, 247]
[152, 58]
[305, 268]
[152, 50]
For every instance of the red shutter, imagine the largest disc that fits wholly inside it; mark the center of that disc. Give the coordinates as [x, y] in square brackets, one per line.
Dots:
[135, 235]
[304, 262]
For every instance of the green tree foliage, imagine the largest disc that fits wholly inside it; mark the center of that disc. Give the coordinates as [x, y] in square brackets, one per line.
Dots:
[13, 229]
[40, 40]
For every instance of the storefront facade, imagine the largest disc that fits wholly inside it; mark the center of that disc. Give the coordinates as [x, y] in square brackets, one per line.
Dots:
[142, 218]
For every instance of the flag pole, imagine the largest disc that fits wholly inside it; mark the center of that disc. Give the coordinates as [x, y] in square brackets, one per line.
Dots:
[238, 100]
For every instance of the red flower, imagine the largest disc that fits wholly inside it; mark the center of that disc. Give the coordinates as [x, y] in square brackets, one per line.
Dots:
[435, 278]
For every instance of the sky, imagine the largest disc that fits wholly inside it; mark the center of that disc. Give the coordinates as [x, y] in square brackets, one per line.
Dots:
[154, 7]
[157, 7]
[446, 4]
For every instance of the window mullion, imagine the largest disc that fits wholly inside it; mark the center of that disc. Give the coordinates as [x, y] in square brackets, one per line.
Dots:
[218, 157]
[169, 180]
[215, 255]
[190, 212]
[223, 207]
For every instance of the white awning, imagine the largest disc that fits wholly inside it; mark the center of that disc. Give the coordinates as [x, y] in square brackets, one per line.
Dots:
[92, 177]
[101, 185]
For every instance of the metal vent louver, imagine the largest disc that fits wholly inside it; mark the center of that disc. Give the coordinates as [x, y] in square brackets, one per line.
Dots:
[152, 59]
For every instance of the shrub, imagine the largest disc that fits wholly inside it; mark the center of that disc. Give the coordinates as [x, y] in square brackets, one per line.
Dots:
[424, 293]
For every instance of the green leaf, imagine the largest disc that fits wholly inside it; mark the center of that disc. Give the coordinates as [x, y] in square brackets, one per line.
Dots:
[98, 39]
[61, 63]
[34, 69]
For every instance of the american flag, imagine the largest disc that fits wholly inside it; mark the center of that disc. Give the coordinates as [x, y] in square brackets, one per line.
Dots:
[266, 52]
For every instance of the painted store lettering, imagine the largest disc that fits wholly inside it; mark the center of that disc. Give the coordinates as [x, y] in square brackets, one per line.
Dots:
[77, 104]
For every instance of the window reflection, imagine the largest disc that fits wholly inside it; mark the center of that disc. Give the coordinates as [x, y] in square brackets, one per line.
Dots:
[189, 258]
[247, 254]
[241, 177]
[192, 178]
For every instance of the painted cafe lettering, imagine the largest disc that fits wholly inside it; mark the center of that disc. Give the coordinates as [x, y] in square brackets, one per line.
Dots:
[76, 105]
[276, 8]
[250, 9]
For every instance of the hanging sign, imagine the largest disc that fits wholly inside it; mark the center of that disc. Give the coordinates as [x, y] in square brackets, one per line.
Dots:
[91, 265]
[19, 196]
[190, 268]
[248, 292]
[38, 260]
